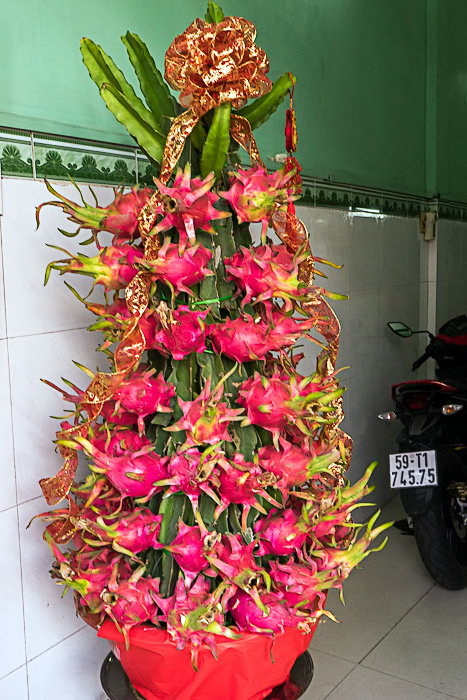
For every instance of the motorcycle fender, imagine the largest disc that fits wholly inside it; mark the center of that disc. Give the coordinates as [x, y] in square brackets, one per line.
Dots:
[416, 501]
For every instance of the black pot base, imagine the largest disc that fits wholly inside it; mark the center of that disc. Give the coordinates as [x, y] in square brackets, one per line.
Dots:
[117, 686]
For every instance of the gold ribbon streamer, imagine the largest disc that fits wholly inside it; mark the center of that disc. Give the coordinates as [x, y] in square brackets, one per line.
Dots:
[292, 232]
[101, 389]
[240, 130]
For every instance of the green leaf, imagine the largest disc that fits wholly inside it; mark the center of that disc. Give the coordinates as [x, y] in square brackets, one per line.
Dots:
[103, 71]
[247, 441]
[214, 13]
[214, 154]
[211, 367]
[151, 141]
[198, 136]
[153, 86]
[261, 109]
[172, 508]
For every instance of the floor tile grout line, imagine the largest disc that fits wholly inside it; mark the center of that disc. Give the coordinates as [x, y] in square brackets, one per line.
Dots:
[385, 673]
[360, 663]
[10, 673]
[21, 503]
[341, 681]
[419, 685]
[33, 658]
[33, 335]
[20, 558]
[20, 554]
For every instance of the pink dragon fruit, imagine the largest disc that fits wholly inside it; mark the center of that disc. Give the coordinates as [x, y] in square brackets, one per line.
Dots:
[193, 472]
[120, 218]
[271, 403]
[87, 572]
[129, 533]
[144, 394]
[274, 403]
[118, 442]
[206, 419]
[300, 584]
[336, 563]
[132, 473]
[184, 334]
[258, 272]
[239, 482]
[272, 618]
[194, 615]
[131, 602]
[294, 465]
[245, 338]
[113, 267]
[181, 271]
[255, 195]
[190, 548]
[114, 318]
[238, 568]
[281, 533]
[187, 206]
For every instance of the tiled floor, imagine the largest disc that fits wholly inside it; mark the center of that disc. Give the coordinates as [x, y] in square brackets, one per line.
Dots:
[401, 636]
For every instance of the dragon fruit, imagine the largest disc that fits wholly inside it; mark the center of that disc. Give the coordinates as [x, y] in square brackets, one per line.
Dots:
[129, 533]
[206, 419]
[143, 394]
[188, 206]
[191, 547]
[193, 473]
[282, 532]
[120, 218]
[246, 338]
[255, 195]
[113, 267]
[295, 465]
[184, 334]
[114, 320]
[132, 473]
[193, 616]
[274, 404]
[181, 271]
[272, 619]
[265, 272]
[131, 602]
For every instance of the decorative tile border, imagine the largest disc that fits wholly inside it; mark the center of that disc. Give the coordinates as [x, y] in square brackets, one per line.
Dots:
[322, 193]
[16, 153]
[32, 155]
[84, 162]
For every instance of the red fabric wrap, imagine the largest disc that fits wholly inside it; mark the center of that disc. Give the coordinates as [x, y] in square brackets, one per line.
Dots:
[244, 669]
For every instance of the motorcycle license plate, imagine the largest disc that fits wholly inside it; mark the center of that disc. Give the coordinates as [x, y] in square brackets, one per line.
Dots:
[410, 469]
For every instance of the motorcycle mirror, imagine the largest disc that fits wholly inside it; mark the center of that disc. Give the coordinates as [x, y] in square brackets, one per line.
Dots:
[400, 329]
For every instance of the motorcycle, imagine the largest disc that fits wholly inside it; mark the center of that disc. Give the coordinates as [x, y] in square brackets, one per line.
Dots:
[430, 468]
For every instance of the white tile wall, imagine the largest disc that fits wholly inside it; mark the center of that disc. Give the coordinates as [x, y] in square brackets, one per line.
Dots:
[11, 601]
[2, 293]
[451, 290]
[15, 685]
[44, 332]
[32, 358]
[7, 469]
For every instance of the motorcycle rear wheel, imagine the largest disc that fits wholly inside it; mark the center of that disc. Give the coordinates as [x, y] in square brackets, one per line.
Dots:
[442, 543]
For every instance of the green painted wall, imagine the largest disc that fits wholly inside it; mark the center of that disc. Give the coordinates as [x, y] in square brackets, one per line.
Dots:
[451, 100]
[364, 96]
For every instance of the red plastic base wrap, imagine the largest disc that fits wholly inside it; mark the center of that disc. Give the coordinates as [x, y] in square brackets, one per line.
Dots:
[244, 669]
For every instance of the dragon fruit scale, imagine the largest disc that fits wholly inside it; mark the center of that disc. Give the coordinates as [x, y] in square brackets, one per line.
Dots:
[215, 500]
